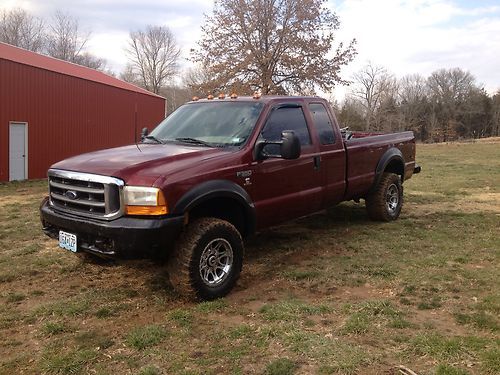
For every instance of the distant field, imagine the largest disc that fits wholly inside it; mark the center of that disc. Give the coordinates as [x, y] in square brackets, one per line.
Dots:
[332, 293]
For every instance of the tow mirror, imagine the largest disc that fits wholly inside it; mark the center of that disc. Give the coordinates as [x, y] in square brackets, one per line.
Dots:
[144, 133]
[289, 147]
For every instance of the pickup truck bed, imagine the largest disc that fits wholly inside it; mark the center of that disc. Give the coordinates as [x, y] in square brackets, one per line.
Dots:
[364, 159]
[214, 172]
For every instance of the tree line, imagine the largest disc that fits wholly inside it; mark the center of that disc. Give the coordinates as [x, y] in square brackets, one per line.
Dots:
[60, 37]
[447, 105]
[276, 47]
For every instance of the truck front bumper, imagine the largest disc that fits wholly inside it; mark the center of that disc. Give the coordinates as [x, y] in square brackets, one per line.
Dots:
[123, 237]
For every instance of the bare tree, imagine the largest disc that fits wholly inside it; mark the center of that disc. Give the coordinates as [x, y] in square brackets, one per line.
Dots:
[451, 85]
[414, 105]
[129, 75]
[20, 29]
[350, 114]
[176, 96]
[276, 46]
[66, 41]
[496, 114]
[91, 61]
[154, 55]
[450, 89]
[371, 84]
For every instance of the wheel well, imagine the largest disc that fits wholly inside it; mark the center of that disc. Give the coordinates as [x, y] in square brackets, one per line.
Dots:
[397, 167]
[223, 208]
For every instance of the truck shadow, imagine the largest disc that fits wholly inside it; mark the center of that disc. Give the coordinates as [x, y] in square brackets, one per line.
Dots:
[265, 252]
[337, 220]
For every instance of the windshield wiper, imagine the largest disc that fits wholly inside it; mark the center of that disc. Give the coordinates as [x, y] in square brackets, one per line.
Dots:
[152, 137]
[194, 141]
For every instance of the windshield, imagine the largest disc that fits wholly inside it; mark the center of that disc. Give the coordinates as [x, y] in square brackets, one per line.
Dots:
[215, 124]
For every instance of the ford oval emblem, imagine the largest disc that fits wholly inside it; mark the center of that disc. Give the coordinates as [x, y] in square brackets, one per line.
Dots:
[71, 194]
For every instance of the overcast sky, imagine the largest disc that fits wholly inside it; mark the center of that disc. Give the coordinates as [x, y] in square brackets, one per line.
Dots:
[413, 36]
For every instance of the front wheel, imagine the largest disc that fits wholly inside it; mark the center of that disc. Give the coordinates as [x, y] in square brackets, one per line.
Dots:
[386, 201]
[207, 259]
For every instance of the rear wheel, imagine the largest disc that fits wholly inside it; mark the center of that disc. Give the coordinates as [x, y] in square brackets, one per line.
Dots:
[207, 259]
[386, 201]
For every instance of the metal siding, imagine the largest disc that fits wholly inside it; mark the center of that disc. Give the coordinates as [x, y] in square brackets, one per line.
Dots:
[22, 56]
[67, 115]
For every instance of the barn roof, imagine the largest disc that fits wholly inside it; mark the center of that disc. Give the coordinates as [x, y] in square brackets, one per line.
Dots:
[22, 56]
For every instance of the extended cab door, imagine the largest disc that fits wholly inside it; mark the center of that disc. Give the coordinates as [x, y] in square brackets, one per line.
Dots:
[286, 189]
[332, 152]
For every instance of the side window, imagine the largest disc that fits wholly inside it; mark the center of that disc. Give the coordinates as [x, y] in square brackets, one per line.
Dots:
[323, 123]
[287, 119]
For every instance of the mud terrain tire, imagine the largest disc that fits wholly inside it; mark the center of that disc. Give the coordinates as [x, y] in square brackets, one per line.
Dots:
[386, 201]
[207, 259]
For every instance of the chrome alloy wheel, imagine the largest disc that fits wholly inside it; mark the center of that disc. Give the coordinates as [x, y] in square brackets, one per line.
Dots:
[216, 262]
[392, 198]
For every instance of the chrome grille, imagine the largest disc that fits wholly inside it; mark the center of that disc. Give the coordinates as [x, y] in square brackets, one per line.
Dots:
[85, 194]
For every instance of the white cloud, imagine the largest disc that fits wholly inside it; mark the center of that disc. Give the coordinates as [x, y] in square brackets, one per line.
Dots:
[420, 36]
[405, 36]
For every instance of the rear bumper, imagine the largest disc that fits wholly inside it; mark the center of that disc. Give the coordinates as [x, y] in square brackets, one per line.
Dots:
[123, 237]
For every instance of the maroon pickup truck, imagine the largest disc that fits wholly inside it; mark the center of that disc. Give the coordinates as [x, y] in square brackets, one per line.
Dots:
[214, 172]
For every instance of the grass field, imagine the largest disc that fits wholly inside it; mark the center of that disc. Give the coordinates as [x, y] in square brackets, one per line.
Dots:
[332, 293]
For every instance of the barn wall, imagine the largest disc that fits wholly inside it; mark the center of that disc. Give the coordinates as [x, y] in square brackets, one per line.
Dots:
[68, 116]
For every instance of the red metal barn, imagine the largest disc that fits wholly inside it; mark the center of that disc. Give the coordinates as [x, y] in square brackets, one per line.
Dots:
[51, 109]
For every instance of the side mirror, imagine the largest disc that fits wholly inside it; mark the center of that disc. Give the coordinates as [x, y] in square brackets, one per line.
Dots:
[289, 147]
[144, 133]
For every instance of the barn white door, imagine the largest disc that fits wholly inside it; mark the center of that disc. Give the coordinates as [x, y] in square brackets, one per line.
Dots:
[18, 151]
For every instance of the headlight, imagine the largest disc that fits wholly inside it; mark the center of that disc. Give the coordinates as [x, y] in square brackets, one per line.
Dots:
[141, 200]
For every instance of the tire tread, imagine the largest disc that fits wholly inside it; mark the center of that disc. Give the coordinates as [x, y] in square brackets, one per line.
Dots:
[376, 201]
[181, 262]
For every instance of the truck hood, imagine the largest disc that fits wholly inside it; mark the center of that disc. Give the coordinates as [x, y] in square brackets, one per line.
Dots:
[143, 163]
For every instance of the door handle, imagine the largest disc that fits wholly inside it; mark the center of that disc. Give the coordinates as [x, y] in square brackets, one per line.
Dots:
[317, 162]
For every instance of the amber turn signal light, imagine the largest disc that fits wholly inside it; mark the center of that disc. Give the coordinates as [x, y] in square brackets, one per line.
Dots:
[146, 210]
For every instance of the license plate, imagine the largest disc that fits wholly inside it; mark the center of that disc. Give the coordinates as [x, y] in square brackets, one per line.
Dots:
[67, 241]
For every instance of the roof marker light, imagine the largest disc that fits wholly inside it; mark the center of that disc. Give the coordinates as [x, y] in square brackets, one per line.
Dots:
[210, 97]
[195, 98]
[256, 95]
[234, 95]
[222, 96]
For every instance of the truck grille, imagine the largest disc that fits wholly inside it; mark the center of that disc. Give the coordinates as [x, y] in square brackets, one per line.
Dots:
[85, 194]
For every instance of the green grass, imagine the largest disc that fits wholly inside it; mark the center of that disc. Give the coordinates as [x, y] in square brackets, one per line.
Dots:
[144, 337]
[14, 297]
[290, 310]
[54, 328]
[67, 363]
[150, 370]
[491, 361]
[329, 294]
[450, 370]
[211, 306]
[181, 317]
[281, 366]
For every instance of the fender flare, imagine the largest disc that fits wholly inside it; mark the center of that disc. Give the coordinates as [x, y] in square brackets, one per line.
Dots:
[218, 189]
[390, 155]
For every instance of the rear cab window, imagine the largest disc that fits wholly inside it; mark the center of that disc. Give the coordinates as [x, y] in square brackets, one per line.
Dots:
[323, 123]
